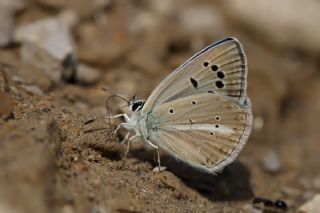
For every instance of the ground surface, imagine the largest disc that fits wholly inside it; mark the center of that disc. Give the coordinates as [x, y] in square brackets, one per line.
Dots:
[51, 162]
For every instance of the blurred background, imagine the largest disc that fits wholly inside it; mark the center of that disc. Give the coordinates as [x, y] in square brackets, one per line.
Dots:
[60, 60]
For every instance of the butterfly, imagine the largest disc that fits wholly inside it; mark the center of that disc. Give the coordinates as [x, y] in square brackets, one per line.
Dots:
[200, 113]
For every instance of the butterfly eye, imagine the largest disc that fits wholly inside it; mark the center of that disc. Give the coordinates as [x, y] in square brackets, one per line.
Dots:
[137, 105]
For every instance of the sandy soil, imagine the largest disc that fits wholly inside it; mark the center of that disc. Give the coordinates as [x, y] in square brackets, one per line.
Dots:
[51, 162]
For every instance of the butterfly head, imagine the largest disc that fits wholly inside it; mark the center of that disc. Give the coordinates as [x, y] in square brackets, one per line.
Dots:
[136, 105]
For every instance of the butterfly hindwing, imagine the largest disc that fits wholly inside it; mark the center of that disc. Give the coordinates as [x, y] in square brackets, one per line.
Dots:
[205, 130]
[220, 68]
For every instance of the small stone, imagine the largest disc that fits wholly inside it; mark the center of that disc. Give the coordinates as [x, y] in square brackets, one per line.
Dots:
[311, 206]
[75, 158]
[316, 183]
[6, 26]
[258, 123]
[271, 162]
[91, 196]
[32, 54]
[125, 204]
[33, 89]
[6, 106]
[279, 21]
[250, 209]
[290, 191]
[308, 195]
[98, 209]
[201, 20]
[87, 75]
[8, 8]
[67, 209]
[165, 7]
[48, 44]
[51, 34]
[158, 169]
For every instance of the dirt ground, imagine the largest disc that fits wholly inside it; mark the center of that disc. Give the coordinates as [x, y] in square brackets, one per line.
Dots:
[51, 162]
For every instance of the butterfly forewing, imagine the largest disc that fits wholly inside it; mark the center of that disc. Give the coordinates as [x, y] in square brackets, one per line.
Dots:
[220, 68]
[205, 130]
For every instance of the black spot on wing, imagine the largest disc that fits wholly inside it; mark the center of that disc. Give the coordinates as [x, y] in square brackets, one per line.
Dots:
[220, 74]
[214, 67]
[194, 82]
[219, 84]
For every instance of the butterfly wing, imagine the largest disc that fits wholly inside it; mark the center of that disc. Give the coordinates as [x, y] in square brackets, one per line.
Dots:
[205, 130]
[220, 68]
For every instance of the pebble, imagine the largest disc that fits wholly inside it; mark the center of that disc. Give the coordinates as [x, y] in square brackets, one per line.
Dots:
[158, 169]
[311, 206]
[201, 20]
[258, 123]
[288, 191]
[33, 89]
[87, 75]
[8, 8]
[280, 21]
[67, 209]
[6, 106]
[271, 162]
[165, 7]
[49, 46]
[51, 34]
[316, 183]
[6, 26]
[250, 209]
[98, 209]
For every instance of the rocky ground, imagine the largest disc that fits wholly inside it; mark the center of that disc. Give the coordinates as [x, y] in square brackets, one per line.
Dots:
[61, 60]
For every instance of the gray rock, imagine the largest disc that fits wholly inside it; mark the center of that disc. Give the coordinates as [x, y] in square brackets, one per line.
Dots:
[33, 89]
[201, 20]
[311, 206]
[271, 162]
[87, 75]
[280, 23]
[8, 8]
[51, 34]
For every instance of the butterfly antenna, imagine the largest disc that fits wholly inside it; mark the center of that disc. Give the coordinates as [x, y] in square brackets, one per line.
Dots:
[104, 115]
[106, 88]
[109, 112]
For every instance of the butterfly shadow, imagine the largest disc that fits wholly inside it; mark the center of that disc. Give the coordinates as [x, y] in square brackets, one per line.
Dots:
[232, 184]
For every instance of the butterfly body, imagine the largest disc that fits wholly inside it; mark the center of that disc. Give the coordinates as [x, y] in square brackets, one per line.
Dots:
[200, 113]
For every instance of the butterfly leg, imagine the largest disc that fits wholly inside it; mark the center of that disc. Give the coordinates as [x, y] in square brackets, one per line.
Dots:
[132, 139]
[125, 125]
[158, 153]
[125, 138]
[126, 117]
